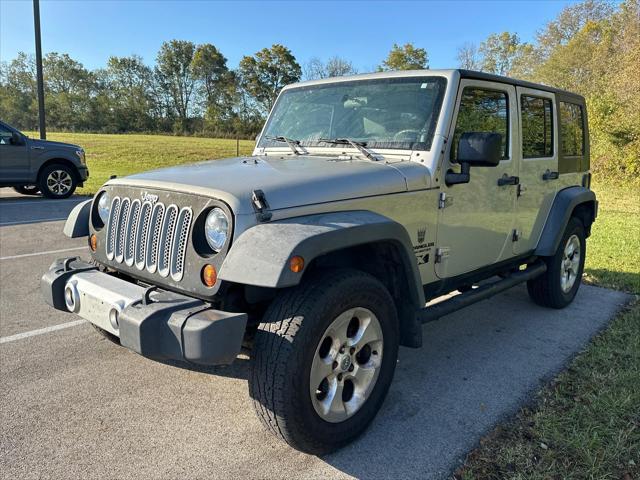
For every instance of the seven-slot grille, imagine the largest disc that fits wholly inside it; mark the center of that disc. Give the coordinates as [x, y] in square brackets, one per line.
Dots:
[148, 235]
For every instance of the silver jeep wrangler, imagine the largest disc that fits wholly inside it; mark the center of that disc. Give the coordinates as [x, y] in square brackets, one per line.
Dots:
[365, 198]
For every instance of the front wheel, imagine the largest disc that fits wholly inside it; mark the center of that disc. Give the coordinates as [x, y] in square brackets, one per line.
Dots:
[558, 286]
[58, 181]
[323, 360]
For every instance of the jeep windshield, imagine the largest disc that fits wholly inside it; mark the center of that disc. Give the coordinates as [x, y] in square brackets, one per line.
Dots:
[384, 113]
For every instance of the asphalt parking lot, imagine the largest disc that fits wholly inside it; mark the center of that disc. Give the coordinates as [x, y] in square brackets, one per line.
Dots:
[74, 405]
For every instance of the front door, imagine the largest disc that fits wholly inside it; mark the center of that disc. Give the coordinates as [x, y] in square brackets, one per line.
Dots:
[476, 219]
[539, 165]
[14, 158]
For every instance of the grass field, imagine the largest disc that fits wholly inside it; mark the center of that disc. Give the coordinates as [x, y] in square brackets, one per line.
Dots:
[586, 424]
[126, 154]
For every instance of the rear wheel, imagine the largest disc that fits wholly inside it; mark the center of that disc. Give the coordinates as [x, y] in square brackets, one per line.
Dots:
[58, 181]
[323, 360]
[27, 189]
[558, 286]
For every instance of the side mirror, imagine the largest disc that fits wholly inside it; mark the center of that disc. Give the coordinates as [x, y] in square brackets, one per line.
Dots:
[480, 149]
[475, 149]
[16, 139]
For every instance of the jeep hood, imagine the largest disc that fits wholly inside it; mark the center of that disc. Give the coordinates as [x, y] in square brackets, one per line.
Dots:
[287, 181]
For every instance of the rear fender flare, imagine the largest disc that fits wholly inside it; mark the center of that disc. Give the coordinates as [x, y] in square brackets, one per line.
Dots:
[563, 208]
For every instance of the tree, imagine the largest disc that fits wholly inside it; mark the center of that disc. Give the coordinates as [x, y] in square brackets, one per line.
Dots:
[570, 21]
[498, 52]
[18, 92]
[467, 56]
[406, 57]
[334, 67]
[127, 94]
[70, 88]
[264, 74]
[210, 68]
[174, 71]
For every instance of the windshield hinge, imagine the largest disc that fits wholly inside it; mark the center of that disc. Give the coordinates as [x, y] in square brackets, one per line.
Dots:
[260, 205]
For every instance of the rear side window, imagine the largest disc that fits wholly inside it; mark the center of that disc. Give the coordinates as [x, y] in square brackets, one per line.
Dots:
[482, 110]
[537, 126]
[571, 130]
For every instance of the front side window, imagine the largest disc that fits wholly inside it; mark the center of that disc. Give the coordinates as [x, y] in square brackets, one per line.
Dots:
[482, 110]
[394, 113]
[5, 136]
[571, 129]
[537, 127]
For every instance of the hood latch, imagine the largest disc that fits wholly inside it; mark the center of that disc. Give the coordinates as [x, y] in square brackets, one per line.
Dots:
[260, 205]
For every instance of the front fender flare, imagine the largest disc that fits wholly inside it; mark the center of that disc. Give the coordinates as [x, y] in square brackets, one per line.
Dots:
[77, 224]
[260, 256]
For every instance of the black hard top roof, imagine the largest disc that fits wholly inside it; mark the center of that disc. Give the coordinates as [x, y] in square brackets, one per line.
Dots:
[520, 83]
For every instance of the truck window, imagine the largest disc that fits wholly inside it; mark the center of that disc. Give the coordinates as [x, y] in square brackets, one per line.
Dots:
[537, 126]
[482, 110]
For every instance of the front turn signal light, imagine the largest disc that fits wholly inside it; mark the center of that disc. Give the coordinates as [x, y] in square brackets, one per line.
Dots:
[93, 242]
[296, 264]
[209, 275]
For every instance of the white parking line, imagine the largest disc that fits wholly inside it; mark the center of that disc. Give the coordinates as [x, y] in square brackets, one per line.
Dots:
[40, 331]
[23, 255]
[35, 220]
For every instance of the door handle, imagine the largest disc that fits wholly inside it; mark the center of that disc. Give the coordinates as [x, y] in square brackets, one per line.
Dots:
[37, 148]
[507, 180]
[549, 175]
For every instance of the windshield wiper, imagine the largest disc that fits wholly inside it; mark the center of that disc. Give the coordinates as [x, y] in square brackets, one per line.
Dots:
[360, 146]
[293, 144]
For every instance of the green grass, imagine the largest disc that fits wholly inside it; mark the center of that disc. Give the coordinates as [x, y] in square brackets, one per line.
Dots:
[126, 154]
[613, 250]
[586, 423]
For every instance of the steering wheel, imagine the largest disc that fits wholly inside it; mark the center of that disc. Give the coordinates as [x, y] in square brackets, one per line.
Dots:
[403, 134]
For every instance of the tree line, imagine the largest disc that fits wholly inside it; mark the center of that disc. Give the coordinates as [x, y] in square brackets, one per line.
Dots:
[189, 90]
[592, 48]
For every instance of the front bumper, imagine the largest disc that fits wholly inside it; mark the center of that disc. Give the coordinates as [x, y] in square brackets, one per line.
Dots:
[83, 173]
[156, 324]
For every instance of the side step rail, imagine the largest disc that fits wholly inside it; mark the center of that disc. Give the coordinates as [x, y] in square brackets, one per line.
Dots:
[445, 307]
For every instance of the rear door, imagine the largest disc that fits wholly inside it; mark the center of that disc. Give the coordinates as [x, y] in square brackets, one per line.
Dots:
[537, 113]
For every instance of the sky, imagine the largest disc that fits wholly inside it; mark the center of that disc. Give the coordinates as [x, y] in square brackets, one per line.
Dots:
[363, 32]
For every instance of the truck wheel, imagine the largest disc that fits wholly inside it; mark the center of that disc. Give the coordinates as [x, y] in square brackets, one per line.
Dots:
[27, 189]
[57, 181]
[323, 359]
[558, 286]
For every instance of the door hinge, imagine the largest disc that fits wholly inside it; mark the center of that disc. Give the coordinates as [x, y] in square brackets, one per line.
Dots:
[515, 235]
[441, 254]
[444, 200]
[521, 189]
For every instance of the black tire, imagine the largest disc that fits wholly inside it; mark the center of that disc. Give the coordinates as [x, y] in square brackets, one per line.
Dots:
[27, 189]
[284, 348]
[546, 290]
[48, 185]
[112, 338]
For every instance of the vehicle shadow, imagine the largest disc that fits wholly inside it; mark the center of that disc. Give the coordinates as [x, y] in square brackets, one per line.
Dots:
[238, 369]
[23, 209]
[476, 368]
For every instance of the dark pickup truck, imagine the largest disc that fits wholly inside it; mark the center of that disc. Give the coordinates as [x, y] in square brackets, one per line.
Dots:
[31, 166]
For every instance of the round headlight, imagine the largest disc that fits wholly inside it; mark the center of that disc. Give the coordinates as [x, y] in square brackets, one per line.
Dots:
[216, 228]
[104, 206]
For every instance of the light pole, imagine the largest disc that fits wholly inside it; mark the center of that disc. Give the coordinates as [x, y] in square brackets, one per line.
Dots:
[36, 24]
